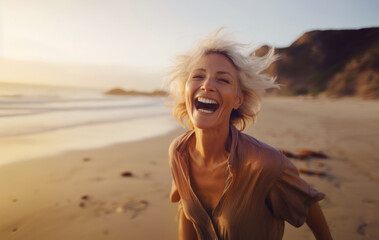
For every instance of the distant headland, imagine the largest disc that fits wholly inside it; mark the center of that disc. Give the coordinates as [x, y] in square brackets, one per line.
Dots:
[119, 91]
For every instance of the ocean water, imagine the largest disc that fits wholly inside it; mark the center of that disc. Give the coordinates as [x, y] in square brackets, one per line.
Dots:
[37, 121]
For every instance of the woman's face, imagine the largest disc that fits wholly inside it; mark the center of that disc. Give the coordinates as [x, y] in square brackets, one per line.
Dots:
[212, 91]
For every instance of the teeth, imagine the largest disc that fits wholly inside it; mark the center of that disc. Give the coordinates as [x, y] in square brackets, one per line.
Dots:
[206, 100]
[206, 111]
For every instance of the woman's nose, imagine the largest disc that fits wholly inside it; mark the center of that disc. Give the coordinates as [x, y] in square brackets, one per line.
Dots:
[208, 84]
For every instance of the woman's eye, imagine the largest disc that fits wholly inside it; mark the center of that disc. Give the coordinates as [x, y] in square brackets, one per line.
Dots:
[198, 77]
[224, 80]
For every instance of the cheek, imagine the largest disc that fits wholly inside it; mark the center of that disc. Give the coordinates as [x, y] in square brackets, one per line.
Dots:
[230, 98]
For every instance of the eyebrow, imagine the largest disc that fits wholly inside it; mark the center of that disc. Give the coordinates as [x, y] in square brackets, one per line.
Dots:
[219, 72]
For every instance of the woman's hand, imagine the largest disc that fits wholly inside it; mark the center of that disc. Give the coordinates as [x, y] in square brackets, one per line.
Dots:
[317, 223]
[186, 229]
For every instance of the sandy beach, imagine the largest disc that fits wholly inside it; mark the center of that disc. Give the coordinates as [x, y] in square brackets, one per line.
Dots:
[121, 191]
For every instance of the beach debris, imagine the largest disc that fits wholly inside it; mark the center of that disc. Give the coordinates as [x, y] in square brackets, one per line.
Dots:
[134, 207]
[15, 229]
[131, 207]
[304, 154]
[288, 153]
[126, 174]
[374, 202]
[83, 204]
[361, 230]
[86, 159]
[312, 172]
[85, 197]
[337, 185]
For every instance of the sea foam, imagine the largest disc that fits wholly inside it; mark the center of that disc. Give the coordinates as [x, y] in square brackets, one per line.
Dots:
[37, 121]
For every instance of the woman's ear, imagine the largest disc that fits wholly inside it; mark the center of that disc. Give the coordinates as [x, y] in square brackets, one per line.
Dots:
[239, 100]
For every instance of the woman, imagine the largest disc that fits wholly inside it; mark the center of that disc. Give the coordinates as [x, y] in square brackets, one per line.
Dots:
[230, 185]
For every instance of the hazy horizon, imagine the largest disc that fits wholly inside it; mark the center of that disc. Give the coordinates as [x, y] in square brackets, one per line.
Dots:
[141, 38]
[89, 76]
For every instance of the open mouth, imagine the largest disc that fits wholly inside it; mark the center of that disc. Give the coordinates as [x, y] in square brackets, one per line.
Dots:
[206, 105]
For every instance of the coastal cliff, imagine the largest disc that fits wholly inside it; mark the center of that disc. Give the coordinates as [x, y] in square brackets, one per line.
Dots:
[335, 63]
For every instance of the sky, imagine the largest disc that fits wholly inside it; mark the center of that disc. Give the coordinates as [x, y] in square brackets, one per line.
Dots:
[146, 35]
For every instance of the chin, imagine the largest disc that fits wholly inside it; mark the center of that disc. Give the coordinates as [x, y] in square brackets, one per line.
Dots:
[203, 125]
[203, 120]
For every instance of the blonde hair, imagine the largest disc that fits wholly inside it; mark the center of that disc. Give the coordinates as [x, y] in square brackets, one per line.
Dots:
[252, 82]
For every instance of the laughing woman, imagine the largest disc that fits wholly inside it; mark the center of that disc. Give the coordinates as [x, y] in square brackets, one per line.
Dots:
[230, 185]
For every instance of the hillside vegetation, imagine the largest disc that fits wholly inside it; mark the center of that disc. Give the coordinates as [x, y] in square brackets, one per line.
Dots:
[332, 62]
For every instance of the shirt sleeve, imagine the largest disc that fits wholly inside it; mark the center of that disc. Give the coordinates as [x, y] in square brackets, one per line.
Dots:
[174, 195]
[290, 197]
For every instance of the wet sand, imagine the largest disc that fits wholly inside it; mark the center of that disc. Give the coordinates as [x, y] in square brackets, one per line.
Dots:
[121, 191]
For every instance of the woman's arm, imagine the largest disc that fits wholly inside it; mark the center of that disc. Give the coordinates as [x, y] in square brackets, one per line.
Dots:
[317, 223]
[186, 229]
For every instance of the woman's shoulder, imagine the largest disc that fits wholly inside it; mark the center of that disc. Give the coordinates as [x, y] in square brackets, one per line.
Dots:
[178, 143]
[260, 153]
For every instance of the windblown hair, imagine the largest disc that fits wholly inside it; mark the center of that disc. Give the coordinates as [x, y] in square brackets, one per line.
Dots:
[252, 82]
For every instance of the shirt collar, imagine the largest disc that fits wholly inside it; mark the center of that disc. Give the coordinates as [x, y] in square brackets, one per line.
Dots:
[182, 147]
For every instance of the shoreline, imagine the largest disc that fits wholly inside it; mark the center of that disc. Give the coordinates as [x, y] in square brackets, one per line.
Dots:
[59, 141]
[90, 148]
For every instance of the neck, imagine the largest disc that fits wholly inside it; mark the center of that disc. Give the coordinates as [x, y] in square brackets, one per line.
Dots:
[212, 145]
